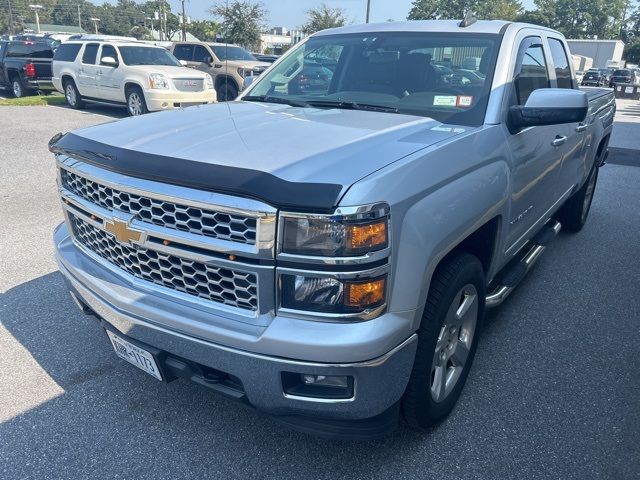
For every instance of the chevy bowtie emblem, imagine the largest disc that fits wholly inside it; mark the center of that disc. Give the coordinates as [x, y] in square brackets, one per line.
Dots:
[121, 230]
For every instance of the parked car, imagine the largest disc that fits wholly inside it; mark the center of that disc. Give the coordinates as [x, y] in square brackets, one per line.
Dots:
[594, 78]
[227, 64]
[624, 75]
[142, 77]
[261, 57]
[25, 67]
[327, 255]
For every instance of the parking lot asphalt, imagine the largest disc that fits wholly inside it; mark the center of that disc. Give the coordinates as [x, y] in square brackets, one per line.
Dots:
[553, 393]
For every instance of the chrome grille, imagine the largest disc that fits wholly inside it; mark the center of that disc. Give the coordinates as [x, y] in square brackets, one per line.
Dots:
[199, 221]
[223, 285]
[189, 84]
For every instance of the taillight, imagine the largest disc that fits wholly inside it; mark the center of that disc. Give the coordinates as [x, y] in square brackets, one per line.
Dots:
[30, 70]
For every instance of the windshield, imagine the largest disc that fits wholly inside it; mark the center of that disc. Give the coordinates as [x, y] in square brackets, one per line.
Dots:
[622, 73]
[227, 52]
[148, 56]
[443, 76]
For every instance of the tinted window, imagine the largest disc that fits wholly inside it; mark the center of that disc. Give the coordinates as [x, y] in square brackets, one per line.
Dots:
[30, 50]
[531, 71]
[560, 63]
[201, 54]
[622, 73]
[90, 54]
[446, 76]
[109, 51]
[183, 52]
[67, 52]
[148, 56]
[228, 52]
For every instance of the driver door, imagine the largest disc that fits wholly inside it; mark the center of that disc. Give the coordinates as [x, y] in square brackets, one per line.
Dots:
[110, 79]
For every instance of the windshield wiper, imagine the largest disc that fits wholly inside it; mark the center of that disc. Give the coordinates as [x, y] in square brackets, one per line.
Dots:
[348, 105]
[271, 99]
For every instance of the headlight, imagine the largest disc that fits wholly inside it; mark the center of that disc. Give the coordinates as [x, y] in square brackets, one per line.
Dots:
[245, 72]
[208, 81]
[158, 80]
[336, 235]
[332, 295]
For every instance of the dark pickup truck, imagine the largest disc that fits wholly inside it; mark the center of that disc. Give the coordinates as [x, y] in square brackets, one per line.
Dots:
[25, 67]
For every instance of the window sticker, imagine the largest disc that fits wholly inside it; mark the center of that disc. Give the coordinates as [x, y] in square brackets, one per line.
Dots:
[464, 101]
[445, 100]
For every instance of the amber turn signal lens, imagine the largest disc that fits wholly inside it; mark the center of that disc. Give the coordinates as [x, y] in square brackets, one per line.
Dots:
[365, 294]
[368, 236]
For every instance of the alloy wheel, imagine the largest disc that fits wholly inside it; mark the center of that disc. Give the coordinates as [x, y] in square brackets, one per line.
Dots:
[17, 89]
[588, 196]
[454, 342]
[70, 93]
[135, 104]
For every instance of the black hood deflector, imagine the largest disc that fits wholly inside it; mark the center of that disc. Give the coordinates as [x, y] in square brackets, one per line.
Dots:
[200, 175]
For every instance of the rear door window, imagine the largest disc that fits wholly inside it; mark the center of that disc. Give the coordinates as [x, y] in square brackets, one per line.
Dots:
[90, 54]
[183, 52]
[560, 63]
[531, 69]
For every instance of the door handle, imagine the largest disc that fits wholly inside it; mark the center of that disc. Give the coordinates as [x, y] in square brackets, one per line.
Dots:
[559, 140]
[581, 128]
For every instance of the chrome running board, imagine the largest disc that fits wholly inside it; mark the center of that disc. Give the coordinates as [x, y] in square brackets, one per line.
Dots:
[518, 272]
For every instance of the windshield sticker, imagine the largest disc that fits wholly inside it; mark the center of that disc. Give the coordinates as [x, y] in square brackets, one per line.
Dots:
[464, 101]
[445, 100]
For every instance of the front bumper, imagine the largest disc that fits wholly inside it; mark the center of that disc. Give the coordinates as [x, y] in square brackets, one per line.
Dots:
[379, 381]
[169, 99]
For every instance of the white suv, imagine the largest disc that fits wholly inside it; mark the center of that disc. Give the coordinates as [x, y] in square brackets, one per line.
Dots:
[141, 76]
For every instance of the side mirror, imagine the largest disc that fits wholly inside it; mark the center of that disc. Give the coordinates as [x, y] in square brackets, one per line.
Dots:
[549, 106]
[183, 63]
[246, 83]
[109, 62]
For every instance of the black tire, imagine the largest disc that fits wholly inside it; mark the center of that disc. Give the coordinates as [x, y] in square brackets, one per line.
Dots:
[18, 89]
[226, 91]
[574, 213]
[72, 95]
[451, 278]
[136, 104]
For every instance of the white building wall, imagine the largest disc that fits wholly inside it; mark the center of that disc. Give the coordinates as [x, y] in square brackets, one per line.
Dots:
[599, 50]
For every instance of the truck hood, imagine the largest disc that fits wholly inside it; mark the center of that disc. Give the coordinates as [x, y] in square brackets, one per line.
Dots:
[169, 70]
[286, 156]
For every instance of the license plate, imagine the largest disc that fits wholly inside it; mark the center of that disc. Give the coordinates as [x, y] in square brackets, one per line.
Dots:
[134, 355]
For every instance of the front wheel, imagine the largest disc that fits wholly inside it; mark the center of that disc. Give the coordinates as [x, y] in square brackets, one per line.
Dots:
[226, 92]
[136, 105]
[447, 340]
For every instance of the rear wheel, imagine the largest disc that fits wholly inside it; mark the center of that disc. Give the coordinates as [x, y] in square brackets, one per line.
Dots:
[72, 96]
[447, 340]
[18, 89]
[573, 214]
[136, 105]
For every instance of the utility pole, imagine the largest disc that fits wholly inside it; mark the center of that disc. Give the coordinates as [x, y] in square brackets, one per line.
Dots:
[79, 18]
[95, 23]
[10, 18]
[35, 8]
[368, 10]
[184, 24]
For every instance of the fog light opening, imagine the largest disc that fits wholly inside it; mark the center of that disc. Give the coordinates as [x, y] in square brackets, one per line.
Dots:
[318, 386]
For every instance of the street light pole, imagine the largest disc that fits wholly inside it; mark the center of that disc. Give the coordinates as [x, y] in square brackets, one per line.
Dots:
[184, 24]
[35, 8]
[368, 10]
[95, 23]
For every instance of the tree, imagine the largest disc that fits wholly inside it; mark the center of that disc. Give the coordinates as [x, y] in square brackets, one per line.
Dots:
[205, 30]
[242, 21]
[632, 50]
[483, 9]
[323, 17]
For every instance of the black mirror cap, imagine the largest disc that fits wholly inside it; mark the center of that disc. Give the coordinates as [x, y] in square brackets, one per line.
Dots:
[522, 117]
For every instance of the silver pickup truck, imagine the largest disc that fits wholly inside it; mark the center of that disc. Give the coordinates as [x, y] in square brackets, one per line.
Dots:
[324, 248]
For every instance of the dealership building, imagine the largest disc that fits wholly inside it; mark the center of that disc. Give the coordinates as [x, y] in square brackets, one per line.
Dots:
[600, 51]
